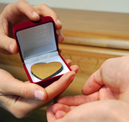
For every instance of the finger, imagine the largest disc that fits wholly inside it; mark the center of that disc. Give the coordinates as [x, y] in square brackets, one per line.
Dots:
[69, 62]
[94, 83]
[60, 110]
[78, 100]
[11, 86]
[60, 36]
[50, 115]
[23, 7]
[74, 68]
[60, 85]
[10, 15]
[60, 107]
[59, 114]
[106, 93]
[59, 50]
[44, 10]
[52, 90]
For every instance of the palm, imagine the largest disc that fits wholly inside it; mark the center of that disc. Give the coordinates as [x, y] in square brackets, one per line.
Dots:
[11, 100]
[109, 82]
[16, 103]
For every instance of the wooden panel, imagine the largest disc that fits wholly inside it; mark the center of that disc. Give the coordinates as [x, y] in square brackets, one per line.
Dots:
[90, 39]
[92, 23]
[103, 29]
[89, 60]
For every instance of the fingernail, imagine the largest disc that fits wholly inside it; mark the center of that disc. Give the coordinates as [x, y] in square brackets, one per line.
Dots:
[58, 21]
[72, 77]
[60, 36]
[11, 47]
[60, 33]
[39, 95]
[35, 14]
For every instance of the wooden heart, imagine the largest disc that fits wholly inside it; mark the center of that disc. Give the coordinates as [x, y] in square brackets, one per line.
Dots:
[46, 70]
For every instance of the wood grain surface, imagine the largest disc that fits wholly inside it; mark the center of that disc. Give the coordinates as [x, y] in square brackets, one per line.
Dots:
[90, 39]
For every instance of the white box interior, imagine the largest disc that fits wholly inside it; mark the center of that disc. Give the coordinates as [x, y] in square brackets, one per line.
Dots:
[38, 44]
[36, 40]
[49, 57]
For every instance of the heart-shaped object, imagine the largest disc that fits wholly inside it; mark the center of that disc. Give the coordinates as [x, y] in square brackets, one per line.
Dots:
[46, 70]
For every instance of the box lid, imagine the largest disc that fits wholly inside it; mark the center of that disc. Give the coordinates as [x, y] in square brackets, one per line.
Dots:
[36, 38]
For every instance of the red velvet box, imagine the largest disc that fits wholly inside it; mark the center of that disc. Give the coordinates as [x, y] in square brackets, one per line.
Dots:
[37, 42]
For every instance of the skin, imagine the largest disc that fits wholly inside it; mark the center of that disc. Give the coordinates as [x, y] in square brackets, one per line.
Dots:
[97, 111]
[105, 93]
[12, 15]
[17, 97]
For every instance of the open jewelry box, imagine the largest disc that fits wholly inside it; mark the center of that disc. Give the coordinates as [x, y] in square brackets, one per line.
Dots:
[37, 42]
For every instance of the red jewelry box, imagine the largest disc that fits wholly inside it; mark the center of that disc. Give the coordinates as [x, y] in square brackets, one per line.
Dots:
[37, 42]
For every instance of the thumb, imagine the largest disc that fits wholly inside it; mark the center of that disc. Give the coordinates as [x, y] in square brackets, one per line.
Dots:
[11, 86]
[94, 83]
[31, 91]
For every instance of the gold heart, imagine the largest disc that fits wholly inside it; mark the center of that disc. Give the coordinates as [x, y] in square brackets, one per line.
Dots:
[46, 70]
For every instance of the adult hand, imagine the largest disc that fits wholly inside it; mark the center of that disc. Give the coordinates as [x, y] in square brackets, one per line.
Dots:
[111, 81]
[98, 111]
[22, 98]
[19, 12]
